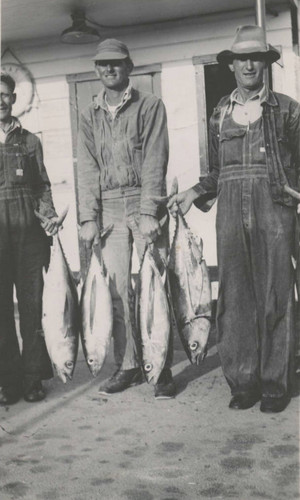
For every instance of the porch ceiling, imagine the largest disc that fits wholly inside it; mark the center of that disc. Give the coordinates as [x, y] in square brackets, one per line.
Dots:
[42, 19]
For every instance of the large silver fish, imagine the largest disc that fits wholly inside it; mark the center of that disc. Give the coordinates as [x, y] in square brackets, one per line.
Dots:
[190, 290]
[152, 318]
[60, 318]
[97, 315]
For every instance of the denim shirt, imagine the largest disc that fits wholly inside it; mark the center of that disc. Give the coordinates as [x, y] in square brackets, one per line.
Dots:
[127, 151]
[22, 151]
[281, 126]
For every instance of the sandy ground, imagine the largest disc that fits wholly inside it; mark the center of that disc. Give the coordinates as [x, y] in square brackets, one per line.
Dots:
[77, 445]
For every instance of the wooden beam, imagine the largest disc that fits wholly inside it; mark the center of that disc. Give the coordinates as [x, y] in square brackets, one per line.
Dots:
[294, 3]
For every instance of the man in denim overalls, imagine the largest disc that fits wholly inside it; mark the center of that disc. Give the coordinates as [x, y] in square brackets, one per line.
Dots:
[254, 155]
[122, 161]
[24, 251]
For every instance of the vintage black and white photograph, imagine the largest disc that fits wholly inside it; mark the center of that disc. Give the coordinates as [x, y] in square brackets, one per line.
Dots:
[149, 249]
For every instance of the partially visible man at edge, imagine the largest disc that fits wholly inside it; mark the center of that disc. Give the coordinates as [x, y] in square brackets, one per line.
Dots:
[122, 161]
[254, 152]
[24, 251]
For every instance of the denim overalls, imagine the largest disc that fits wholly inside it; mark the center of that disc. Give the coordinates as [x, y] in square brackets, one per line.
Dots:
[24, 250]
[254, 241]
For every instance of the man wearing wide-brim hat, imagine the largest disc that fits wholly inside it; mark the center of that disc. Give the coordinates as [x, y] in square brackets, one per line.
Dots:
[122, 162]
[254, 161]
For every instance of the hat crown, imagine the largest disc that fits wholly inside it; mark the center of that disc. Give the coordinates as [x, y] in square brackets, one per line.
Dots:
[111, 48]
[251, 38]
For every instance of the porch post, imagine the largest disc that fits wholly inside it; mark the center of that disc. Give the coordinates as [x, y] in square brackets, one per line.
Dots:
[260, 12]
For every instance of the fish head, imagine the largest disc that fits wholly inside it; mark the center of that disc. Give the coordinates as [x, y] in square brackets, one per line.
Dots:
[197, 332]
[153, 364]
[151, 372]
[94, 363]
[65, 371]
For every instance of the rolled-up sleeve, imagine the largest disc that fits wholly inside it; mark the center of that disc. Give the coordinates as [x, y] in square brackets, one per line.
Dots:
[88, 171]
[155, 156]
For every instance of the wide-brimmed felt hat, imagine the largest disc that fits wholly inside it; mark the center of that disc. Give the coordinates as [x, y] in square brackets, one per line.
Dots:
[249, 40]
[111, 49]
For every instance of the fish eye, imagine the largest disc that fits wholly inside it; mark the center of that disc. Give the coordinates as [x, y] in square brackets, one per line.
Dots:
[69, 364]
[90, 361]
[194, 346]
[148, 367]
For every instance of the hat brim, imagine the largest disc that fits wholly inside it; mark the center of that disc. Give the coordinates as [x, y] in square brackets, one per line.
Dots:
[109, 56]
[227, 56]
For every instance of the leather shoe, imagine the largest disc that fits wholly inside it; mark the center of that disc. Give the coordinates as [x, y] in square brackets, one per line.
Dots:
[274, 405]
[35, 393]
[243, 401]
[9, 395]
[121, 380]
[165, 387]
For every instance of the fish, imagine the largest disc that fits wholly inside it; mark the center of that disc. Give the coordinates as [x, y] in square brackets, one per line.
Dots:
[97, 313]
[153, 319]
[60, 311]
[296, 257]
[190, 289]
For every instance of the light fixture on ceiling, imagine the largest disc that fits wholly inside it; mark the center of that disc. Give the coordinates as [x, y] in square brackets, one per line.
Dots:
[79, 32]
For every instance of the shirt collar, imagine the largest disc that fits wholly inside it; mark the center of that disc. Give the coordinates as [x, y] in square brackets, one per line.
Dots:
[235, 97]
[100, 100]
[14, 123]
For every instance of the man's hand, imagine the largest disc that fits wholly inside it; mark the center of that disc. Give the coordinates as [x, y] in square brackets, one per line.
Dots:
[89, 233]
[183, 201]
[149, 228]
[51, 226]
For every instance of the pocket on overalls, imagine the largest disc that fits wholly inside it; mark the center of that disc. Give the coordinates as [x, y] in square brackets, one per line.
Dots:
[18, 171]
[21, 175]
[232, 147]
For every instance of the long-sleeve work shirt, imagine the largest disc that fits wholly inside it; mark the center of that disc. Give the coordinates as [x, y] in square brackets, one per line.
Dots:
[129, 150]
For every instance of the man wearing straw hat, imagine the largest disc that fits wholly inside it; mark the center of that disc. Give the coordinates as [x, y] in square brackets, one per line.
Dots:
[254, 168]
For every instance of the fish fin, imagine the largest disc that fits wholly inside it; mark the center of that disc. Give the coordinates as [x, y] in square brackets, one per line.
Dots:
[62, 216]
[107, 278]
[44, 273]
[292, 192]
[163, 220]
[67, 313]
[93, 303]
[151, 304]
[174, 187]
[106, 230]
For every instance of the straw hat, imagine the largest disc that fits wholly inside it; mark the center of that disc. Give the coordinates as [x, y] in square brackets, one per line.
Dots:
[249, 40]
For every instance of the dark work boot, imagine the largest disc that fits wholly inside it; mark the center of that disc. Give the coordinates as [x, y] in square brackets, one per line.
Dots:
[165, 387]
[274, 405]
[244, 400]
[9, 394]
[121, 380]
[35, 392]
